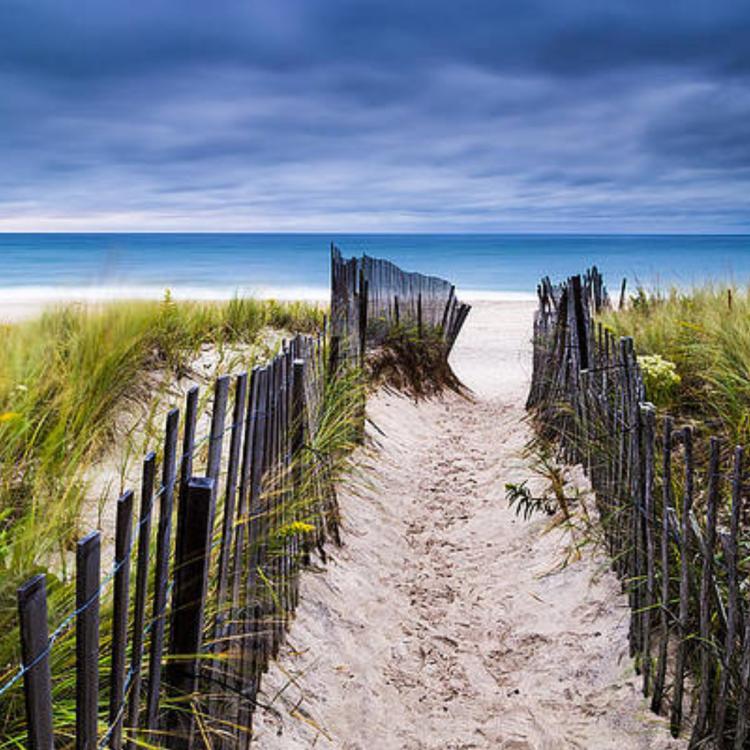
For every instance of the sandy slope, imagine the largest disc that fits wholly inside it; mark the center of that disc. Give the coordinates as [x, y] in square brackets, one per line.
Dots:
[445, 622]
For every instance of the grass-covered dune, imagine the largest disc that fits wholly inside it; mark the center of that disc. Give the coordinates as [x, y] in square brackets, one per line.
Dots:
[66, 377]
[702, 339]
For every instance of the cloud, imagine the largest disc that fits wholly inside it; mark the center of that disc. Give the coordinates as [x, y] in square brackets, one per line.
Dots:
[336, 115]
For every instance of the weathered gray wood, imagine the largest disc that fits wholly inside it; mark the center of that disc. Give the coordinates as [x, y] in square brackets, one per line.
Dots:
[240, 396]
[667, 505]
[701, 729]
[37, 680]
[88, 557]
[649, 418]
[161, 572]
[684, 611]
[141, 591]
[190, 599]
[123, 537]
[297, 445]
[729, 544]
[243, 614]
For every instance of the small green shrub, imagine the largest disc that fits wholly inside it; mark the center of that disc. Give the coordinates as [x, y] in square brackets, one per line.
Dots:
[661, 379]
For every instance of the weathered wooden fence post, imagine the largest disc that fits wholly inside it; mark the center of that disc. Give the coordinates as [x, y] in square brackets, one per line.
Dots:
[649, 521]
[191, 580]
[667, 507]
[685, 552]
[734, 607]
[123, 537]
[88, 553]
[700, 727]
[37, 679]
[161, 573]
[141, 589]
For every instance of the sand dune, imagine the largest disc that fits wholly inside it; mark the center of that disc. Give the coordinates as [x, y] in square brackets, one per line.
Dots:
[445, 621]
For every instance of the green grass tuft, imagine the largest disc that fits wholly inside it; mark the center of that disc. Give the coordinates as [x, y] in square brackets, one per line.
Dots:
[705, 332]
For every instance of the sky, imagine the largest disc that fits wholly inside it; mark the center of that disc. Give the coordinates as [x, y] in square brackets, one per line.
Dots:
[380, 116]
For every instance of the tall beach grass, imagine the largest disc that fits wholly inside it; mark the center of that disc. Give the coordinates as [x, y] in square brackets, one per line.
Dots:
[705, 332]
[64, 380]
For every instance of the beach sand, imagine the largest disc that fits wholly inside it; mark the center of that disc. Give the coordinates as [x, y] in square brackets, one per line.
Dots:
[445, 621]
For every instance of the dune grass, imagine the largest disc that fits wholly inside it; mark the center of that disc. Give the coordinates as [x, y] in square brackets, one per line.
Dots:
[64, 378]
[705, 332]
[412, 362]
[297, 502]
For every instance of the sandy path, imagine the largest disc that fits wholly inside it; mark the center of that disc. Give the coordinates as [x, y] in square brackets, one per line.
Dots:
[445, 621]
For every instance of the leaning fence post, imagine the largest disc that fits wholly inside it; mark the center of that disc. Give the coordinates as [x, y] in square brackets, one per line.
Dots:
[37, 680]
[190, 597]
[88, 552]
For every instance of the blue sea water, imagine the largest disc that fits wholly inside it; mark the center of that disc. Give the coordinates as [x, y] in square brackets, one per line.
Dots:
[292, 265]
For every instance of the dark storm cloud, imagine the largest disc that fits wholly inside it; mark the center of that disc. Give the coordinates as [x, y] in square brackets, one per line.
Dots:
[338, 114]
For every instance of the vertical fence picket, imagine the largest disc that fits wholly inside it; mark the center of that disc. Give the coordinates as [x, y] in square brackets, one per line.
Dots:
[684, 612]
[190, 598]
[141, 593]
[661, 663]
[230, 494]
[700, 726]
[37, 679]
[649, 522]
[161, 572]
[729, 543]
[257, 531]
[123, 537]
[242, 606]
[185, 464]
[88, 563]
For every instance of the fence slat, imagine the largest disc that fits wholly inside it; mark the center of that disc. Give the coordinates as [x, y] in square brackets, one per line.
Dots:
[733, 603]
[88, 554]
[37, 680]
[685, 551]
[700, 726]
[123, 537]
[661, 664]
[161, 573]
[141, 592]
[190, 598]
[649, 521]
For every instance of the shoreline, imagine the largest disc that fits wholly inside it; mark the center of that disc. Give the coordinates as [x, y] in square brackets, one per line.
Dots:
[22, 303]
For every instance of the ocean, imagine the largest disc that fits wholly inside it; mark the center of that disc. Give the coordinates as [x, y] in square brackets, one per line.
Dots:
[214, 266]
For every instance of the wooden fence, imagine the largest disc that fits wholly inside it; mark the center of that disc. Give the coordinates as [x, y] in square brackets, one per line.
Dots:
[171, 644]
[369, 296]
[671, 503]
[213, 570]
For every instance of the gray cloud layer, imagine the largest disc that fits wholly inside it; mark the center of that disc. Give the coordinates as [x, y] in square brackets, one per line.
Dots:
[344, 115]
